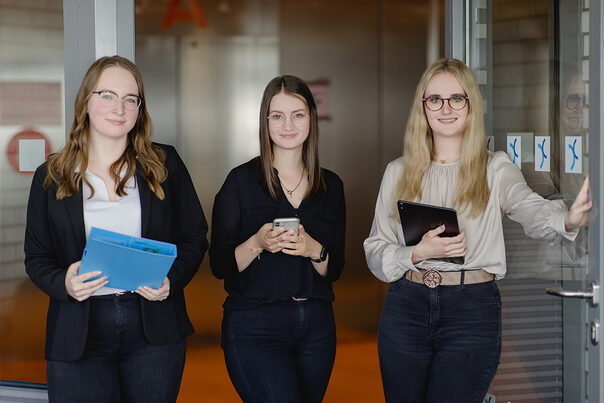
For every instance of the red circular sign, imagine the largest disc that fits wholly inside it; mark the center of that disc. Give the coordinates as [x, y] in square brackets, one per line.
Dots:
[12, 150]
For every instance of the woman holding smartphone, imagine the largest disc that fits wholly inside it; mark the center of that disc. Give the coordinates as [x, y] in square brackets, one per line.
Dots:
[105, 344]
[278, 330]
[439, 336]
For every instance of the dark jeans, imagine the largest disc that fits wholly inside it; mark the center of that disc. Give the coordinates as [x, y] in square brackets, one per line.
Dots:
[280, 352]
[118, 365]
[441, 344]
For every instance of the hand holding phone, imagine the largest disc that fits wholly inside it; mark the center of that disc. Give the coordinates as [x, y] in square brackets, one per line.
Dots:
[287, 224]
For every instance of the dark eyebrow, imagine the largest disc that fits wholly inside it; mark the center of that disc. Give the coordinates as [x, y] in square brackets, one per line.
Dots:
[297, 110]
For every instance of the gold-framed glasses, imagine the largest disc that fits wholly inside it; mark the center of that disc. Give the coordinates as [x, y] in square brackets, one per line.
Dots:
[109, 99]
[277, 119]
[435, 103]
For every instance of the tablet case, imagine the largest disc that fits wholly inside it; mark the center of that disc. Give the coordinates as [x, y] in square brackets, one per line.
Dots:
[419, 218]
[128, 261]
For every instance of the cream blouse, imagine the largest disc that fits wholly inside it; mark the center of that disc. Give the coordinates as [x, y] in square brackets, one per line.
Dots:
[387, 256]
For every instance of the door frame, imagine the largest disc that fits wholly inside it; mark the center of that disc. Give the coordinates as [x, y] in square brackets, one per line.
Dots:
[456, 44]
[595, 314]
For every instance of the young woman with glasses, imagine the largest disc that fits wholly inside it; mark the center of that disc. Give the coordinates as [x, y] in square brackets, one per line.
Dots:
[278, 331]
[439, 335]
[105, 344]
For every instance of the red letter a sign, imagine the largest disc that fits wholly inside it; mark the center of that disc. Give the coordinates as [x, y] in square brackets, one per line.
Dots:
[174, 13]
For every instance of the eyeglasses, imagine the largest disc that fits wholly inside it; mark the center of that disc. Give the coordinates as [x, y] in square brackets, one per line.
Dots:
[109, 100]
[574, 101]
[278, 119]
[435, 103]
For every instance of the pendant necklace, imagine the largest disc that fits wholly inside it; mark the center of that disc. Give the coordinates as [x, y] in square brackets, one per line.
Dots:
[291, 192]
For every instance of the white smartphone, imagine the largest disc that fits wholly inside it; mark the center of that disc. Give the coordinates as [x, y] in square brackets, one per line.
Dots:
[287, 223]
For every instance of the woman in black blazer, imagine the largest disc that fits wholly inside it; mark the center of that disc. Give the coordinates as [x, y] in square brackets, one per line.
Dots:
[104, 344]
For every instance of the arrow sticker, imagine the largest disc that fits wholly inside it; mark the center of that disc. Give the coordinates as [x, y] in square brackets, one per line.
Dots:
[573, 146]
[542, 154]
[514, 147]
[491, 143]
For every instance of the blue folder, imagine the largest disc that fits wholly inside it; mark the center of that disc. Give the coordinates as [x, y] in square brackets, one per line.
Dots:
[128, 261]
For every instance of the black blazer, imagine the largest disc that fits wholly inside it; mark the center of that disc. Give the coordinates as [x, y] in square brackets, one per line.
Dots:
[55, 238]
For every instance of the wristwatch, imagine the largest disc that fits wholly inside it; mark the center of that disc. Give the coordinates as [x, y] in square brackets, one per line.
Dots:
[322, 256]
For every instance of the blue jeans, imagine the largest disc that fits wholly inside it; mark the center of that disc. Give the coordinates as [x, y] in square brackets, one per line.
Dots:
[441, 344]
[280, 352]
[118, 363]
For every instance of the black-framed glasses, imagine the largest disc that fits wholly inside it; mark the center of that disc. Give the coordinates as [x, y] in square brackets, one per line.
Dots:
[574, 101]
[278, 119]
[435, 103]
[109, 99]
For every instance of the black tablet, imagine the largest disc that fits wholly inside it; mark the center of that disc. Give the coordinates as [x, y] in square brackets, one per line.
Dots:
[418, 218]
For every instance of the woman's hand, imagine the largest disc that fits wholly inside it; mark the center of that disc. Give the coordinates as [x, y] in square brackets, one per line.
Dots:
[77, 285]
[267, 239]
[577, 215]
[153, 294]
[300, 245]
[433, 245]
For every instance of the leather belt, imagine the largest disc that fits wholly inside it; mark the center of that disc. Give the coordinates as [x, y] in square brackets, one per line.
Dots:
[434, 278]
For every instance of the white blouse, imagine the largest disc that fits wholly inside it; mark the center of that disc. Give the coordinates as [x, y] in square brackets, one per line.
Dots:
[122, 215]
[387, 256]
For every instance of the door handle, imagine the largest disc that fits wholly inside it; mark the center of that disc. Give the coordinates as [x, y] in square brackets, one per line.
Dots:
[592, 293]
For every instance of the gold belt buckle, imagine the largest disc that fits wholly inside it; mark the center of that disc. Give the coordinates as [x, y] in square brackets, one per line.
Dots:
[432, 278]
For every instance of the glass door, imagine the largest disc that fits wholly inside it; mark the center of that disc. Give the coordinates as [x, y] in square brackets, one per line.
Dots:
[31, 126]
[538, 66]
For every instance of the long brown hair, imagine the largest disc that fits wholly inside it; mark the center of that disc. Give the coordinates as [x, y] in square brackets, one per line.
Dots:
[472, 190]
[62, 166]
[310, 150]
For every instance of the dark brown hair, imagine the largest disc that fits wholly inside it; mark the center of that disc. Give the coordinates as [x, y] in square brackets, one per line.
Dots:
[310, 150]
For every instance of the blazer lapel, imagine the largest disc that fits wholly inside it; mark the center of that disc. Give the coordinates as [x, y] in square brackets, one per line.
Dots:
[145, 195]
[75, 210]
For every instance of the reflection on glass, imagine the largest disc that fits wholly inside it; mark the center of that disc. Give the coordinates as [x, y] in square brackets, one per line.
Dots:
[539, 82]
[31, 123]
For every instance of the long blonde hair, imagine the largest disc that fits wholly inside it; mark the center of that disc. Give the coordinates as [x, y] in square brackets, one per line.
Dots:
[139, 150]
[472, 187]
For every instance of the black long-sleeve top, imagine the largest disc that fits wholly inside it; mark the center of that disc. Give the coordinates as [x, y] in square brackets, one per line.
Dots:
[241, 207]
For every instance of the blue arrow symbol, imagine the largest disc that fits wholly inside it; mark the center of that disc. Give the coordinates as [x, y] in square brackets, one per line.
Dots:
[514, 150]
[543, 156]
[575, 157]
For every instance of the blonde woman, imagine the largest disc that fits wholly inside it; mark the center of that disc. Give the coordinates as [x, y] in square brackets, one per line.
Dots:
[105, 344]
[440, 340]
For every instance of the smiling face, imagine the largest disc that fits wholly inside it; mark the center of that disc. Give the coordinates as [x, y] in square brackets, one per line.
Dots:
[291, 132]
[446, 122]
[112, 121]
[573, 107]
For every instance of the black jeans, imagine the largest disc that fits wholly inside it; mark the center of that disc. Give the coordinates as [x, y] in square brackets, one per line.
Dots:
[280, 352]
[118, 365]
[439, 344]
